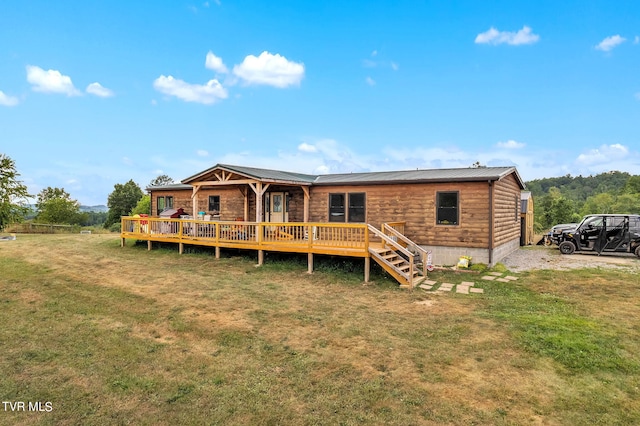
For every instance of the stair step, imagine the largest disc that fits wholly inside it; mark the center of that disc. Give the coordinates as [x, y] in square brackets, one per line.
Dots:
[417, 281]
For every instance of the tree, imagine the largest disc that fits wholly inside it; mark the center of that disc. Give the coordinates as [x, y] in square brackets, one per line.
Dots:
[122, 200]
[553, 209]
[161, 180]
[13, 193]
[633, 185]
[143, 206]
[56, 206]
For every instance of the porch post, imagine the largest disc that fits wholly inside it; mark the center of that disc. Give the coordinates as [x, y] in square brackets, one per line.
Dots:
[246, 204]
[306, 203]
[310, 263]
[194, 201]
[258, 201]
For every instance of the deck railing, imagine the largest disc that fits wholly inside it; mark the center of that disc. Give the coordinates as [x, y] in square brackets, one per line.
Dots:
[309, 237]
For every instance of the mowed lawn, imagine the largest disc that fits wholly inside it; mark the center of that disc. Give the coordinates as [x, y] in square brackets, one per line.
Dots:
[111, 335]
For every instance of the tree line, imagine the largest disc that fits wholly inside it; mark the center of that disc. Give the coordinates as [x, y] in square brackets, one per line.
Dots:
[56, 206]
[567, 199]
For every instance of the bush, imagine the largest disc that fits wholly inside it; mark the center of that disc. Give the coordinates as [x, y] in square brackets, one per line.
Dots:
[478, 267]
[116, 227]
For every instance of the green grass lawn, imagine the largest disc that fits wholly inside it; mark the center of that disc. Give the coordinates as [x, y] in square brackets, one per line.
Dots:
[110, 335]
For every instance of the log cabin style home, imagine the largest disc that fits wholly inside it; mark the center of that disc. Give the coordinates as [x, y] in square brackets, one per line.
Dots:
[404, 220]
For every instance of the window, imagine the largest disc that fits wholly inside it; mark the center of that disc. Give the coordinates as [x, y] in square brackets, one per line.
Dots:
[447, 208]
[353, 210]
[356, 207]
[336, 208]
[214, 204]
[164, 203]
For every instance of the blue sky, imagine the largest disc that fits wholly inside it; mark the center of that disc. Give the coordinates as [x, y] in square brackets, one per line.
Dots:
[94, 93]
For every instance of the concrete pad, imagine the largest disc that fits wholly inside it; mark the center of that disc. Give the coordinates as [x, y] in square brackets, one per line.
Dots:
[496, 274]
[447, 285]
[425, 287]
[468, 283]
[476, 290]
[442, 288]
[429, 282]
[511, 278]
[503, 280]
[488, 278]
[463, 289]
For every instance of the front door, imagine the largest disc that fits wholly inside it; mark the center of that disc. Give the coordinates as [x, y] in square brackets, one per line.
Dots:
[277, 207]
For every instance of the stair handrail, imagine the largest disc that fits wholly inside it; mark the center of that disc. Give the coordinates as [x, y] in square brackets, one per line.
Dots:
[397, 247]
[423, 253]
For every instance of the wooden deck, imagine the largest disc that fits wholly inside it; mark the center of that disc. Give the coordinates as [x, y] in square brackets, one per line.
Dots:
[352, 240]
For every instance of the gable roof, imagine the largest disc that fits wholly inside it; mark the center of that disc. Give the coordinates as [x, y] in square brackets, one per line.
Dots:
[265, 175]
[478, 174]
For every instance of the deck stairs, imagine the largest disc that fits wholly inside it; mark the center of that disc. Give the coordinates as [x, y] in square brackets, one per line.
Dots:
[399, 256]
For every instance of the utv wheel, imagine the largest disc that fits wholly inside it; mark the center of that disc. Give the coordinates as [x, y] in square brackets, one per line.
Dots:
[638, 251]
[567, 247]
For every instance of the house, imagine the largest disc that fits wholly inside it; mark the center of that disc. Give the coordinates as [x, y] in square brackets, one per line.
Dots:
[526, 219]
[451, 212]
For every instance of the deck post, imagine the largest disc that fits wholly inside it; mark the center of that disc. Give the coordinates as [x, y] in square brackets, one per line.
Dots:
[259, 194]
[306, 204]
[122, 243]
[217, 252]
[310, 263]
[367, 268]
[180, 248]
[260, 257]
[149, 244]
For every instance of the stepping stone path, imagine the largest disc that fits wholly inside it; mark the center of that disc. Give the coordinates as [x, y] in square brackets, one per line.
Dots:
[466, 287]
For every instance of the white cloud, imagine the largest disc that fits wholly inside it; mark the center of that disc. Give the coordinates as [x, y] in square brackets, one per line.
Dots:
[368, 63]
[610, 42]
[7, 100]
[215, 63]
[603, 154]
[202, 153]
[495, 37]
[394, 66]
[370, 81]
[99, 90]
[637, 95]
[272, 70]
[305, 147]
[51, 81]
[510, 144]
[374, 53]
[204, 94]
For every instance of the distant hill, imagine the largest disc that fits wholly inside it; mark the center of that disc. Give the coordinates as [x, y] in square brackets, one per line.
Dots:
[97, 209]
[580, 188]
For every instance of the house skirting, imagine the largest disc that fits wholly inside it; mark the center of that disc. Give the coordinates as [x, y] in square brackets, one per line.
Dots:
[448, 256]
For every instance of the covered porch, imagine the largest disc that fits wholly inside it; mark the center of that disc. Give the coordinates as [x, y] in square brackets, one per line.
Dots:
[265, 194]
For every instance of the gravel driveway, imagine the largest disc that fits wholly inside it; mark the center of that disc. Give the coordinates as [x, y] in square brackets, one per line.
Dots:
[540, 257]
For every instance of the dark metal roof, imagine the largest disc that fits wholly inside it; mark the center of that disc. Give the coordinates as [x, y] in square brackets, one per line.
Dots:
[169, 187]
[478, 174]
[260, 174]
[428, 175]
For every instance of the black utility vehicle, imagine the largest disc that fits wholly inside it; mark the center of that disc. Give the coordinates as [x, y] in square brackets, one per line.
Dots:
[603, 233]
